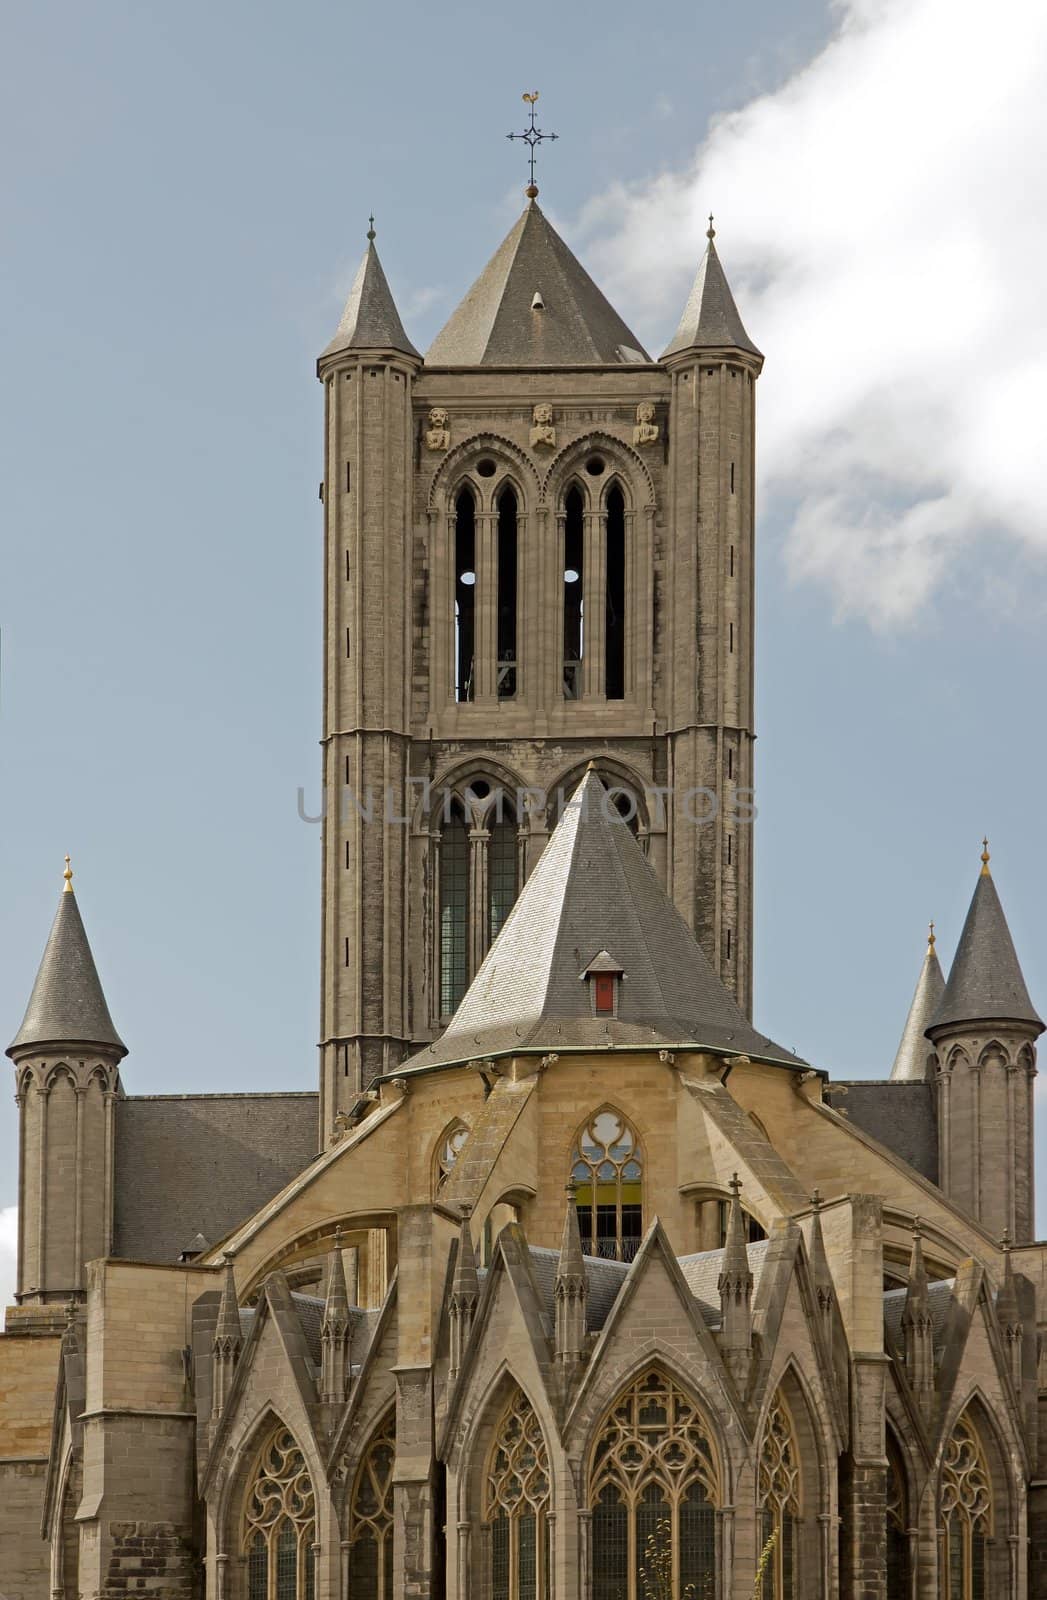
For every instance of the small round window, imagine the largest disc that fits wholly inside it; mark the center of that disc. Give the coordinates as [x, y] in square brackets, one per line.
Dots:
[594, 466]
[486, 468]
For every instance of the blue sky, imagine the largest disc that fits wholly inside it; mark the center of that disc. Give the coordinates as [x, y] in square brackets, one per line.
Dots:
[183, 214]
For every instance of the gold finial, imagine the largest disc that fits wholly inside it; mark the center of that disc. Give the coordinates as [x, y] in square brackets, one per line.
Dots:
[590, 766]
[985, 859]
[710, 232]
[68, 876]
[930, 938]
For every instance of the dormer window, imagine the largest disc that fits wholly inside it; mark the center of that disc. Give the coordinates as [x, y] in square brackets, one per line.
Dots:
[604, 976]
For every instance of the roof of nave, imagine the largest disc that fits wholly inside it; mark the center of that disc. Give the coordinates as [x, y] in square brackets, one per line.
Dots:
[67, 1004]
[534, 305]
[985, 981]
[910, 1063]
[593, 890]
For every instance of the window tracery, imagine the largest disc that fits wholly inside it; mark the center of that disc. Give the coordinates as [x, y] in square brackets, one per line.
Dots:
[654, 1490]
[779, 1499]
[516, 1505]
[966, 1515]
[449, 1149]
[607, 1170]
[280, 1523]
[371, 1518]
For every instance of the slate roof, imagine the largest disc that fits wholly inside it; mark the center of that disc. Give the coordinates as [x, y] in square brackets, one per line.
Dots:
[702, 1273]
[710, 318]
[939, 1299]
[985, 981]
[910, 1063]
[594, 890]
[370, 320]
[497, 323]
[67, 1003]
[606, 1278]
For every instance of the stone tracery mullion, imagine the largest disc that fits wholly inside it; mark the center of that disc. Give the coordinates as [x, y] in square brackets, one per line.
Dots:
[280, 1499]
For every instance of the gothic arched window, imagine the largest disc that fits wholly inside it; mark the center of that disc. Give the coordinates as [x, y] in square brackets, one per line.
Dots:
[516, 1506]
[371, 1518]
[508, 664]
[465, 595]
[502, 873]
[280, 1523]
[607, 1171]
[449, 1149]
[573, 589]
[614, 635]
[778, 1491]
[898, 1586]
[653, 1491]
[966, 1515]
[454, 911]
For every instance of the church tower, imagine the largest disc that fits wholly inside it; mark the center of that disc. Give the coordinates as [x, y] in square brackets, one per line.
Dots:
[539, 554]
[67, 1055]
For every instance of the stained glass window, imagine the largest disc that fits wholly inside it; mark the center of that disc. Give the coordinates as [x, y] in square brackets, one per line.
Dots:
[966, 1512]
[371, 1518]
[607, 1169]
[517, 1505]
[654, 1487]
[779, 1498]
[280, 1523]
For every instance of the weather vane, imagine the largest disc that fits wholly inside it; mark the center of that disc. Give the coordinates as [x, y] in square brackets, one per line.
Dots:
[532, 137]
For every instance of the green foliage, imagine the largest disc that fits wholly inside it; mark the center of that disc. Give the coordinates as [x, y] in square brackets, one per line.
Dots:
[764, 1562]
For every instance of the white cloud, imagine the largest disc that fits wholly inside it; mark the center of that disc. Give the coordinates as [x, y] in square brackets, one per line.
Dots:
[8, 1255]
[883, 220]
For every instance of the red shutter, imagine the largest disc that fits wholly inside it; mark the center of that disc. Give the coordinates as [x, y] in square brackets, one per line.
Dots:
[604, 992]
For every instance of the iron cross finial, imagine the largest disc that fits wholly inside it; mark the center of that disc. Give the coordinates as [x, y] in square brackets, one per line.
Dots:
[532, 137]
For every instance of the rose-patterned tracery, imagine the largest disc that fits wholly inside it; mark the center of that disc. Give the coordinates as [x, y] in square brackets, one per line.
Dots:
[516, 1505]
[966, 1515]
[653, 1477]
[779, 1499]
[371, 1518]
[280, 1523]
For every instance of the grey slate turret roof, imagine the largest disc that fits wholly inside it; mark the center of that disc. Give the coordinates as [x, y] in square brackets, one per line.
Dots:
[910, 1063]
[594, 890]
[985, 981]
[499, 324]
[67, 1004]
[710, 318]
[370, 320]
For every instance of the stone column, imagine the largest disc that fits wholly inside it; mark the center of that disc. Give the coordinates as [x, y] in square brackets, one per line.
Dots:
[594, 601]
[485, 644]
[479, 838]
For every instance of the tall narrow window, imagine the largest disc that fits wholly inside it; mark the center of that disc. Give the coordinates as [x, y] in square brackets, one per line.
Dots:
[454, 912]
[517, 1506]
[898, 1586]
[465, 595]
[654, 1489]
[607, 1170]
[966, 1516]
[573, 584]
[615, 626]
[280, 1523]
[371, 1519]
[507, 566]
[779, 1499]
[501, 874]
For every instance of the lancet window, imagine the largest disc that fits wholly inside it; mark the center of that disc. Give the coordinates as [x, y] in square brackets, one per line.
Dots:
[454, 911]
[465, 595]
[607, 1171]
[479, 882]
[516, 1506]
[966, 1515]
[573, 592]
[449, 1149]
[371, 1518]
[614, 626]
[779, 1501]
[898, 1586]
[280, 1524]
[654, 1488]
[508, 662]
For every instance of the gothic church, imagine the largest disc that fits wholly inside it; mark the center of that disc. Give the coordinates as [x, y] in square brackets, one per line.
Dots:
[568, 1284]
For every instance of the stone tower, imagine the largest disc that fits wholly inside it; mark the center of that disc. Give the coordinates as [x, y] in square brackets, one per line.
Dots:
[66, 1055]
[984, 1032]
[538, 553]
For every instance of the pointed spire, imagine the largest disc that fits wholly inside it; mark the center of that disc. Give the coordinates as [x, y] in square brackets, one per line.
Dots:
[820, 1272]
[465, 1293]
[571, 1289]
[735, 1286]
[1009, 1314]
[228, 1341]
[498, 323]
[985, 982]
[335, 1330]
[370, 320]
[916, 1323]
[710, 318]
[67, 1004]
[910, 1063]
